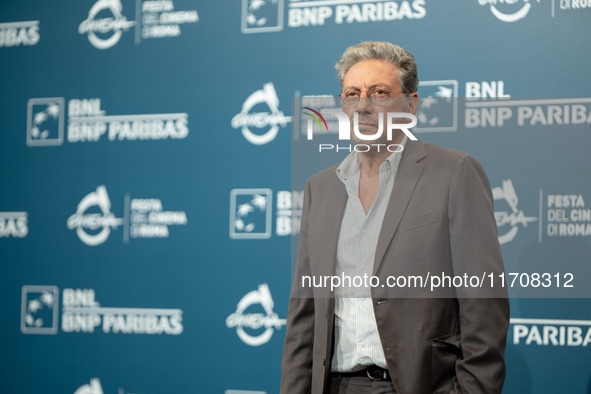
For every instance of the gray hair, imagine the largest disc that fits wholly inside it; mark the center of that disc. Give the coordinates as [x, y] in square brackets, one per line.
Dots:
[374, 50]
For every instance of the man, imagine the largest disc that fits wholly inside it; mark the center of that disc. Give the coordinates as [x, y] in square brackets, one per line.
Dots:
[427, 209]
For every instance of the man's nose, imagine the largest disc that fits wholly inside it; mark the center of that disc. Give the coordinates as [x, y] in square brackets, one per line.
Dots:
[364, 104]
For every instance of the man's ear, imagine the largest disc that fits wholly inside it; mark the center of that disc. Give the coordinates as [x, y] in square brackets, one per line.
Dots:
[413, 103]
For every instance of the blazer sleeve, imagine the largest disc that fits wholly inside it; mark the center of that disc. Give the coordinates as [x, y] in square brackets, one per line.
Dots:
[475, 250]
[296, 365]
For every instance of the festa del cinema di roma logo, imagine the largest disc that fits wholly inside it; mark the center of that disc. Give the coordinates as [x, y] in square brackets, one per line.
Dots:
[268, 321]
[267, 122]
[145, 218]
[106, 22]
[94, 387]
[509, 219]
[512, 10]
[103, 33]
[392, 123]
[87, 223]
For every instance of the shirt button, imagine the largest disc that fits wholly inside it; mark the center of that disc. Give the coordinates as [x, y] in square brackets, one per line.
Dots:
[362, 344]
[360, 306]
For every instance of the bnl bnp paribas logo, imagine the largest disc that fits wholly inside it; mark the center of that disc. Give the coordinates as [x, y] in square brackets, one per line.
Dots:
[509, 221]
[13, 34]
[106, 21]
[45, 121]
[438, 106]
[262, 16]
[251, 213]
[39, 309]
[82, 313]
[93, 220]
[508, 10]
[257, 126]
[14, 224]
[88, 122]
[253, 326]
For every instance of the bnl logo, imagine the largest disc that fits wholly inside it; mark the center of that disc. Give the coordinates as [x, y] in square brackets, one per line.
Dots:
[261, 16]
[39, 309]
[45, 121]
[438, 106]
[250, 213]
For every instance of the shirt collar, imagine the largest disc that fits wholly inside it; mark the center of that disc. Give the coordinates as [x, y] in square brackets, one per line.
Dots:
[350, 165]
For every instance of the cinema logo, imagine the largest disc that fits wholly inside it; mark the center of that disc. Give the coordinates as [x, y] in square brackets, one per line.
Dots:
[94, 228]
[260, 128]
[105, 31]
[509, 221]
[393, 122]
[106, 22]
[253, 327]
[551, 332]
[143, 218]
[82, 313]
[508, 10]
[95, 387]
[14, 34]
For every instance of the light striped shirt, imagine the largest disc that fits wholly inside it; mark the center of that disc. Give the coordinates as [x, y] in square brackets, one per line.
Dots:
[357, 342]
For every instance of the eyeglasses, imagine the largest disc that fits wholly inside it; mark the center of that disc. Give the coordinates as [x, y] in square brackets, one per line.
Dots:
[375, 95]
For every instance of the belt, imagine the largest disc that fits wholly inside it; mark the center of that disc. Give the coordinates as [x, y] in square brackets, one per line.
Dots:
[372, 372]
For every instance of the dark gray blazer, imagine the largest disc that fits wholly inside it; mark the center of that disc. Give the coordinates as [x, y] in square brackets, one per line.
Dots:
[439, 219]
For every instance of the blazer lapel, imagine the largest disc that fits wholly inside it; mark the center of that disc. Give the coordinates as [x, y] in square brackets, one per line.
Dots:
[408, 174]
[336, 201]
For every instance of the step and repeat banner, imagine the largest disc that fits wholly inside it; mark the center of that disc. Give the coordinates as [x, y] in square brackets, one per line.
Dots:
[147, 211]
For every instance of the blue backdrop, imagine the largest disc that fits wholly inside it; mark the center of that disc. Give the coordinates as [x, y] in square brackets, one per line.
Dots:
[147, 205]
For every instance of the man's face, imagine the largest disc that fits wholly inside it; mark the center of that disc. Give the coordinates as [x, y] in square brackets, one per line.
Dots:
[379, 76]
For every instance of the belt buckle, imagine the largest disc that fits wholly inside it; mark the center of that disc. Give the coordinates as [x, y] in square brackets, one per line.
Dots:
[374, 378]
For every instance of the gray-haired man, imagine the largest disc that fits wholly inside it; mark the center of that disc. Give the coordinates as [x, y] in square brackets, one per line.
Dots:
[388, 214]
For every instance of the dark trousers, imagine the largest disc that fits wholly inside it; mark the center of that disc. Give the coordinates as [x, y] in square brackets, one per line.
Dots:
[359, 385]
